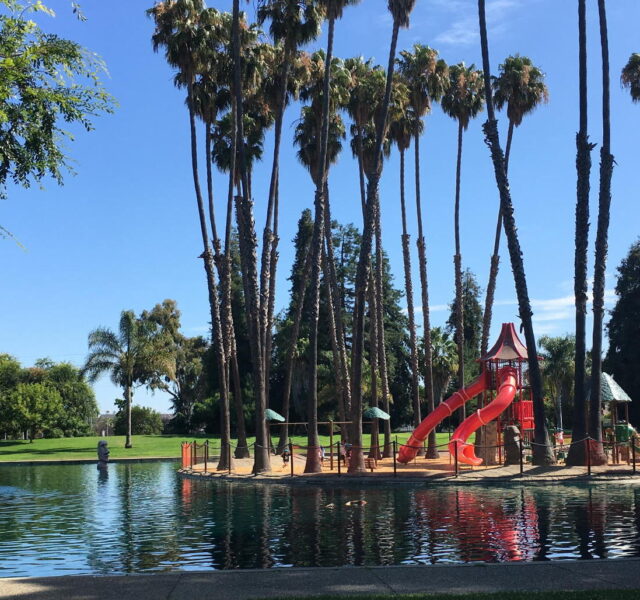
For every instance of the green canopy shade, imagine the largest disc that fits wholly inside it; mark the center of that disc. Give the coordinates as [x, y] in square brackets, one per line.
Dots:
[375, 413]
[272, 415]
[611, 391]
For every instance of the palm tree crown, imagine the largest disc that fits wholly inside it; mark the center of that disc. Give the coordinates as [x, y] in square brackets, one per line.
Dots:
[464, 98]
[400, 11]
[520, 86]
[335, 8]
[630, 77]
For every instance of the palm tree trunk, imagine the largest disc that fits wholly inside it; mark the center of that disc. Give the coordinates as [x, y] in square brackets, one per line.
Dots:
[576, 454]
[373, 363]
[248, 245]
[356, 464]
[408, 286]
[273, 262]
[298, 297]
[382, 353]
[457, 261]
[214, 306]
[432, 450]
[604, 205]
[542, 452]
[127, 394]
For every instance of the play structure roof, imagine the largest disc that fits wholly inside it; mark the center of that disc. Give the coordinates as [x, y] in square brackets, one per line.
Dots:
[508, 346]
[611, 391]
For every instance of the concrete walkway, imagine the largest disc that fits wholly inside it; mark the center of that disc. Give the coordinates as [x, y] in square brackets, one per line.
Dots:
[282, 583]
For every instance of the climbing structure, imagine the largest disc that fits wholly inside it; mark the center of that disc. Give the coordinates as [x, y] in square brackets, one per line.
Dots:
[506, 396]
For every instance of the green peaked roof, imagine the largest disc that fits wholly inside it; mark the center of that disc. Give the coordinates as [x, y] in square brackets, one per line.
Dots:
[611, 391]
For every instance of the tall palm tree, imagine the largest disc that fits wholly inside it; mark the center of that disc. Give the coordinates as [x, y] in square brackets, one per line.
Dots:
[521, 88]
[542, 453]
[630, 76]
[576, 454]
[428, 79]
[462, 101]
[401, 131]
[602, 235]
[558, 368]
[178, 30]
[400, 11]
[292, 23]
[132, 355]
[248, 258]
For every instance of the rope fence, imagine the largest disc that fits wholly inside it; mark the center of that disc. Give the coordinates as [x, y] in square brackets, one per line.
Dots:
[337, 458]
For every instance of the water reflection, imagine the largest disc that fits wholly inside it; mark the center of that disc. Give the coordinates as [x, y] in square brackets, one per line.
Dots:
[140, 518]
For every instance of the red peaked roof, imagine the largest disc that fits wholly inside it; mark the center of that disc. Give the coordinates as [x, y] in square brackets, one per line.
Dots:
[508, 346]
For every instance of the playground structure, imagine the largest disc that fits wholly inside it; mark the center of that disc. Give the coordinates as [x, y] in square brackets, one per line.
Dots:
[506, 396]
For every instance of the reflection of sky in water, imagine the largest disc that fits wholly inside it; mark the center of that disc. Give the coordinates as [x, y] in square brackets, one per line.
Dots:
[143, 517]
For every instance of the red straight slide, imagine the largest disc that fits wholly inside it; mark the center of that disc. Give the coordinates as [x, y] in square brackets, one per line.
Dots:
[408, 451]
[506, 393]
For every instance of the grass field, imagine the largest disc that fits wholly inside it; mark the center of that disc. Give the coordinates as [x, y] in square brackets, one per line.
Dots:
[165, 446]
[589, 595]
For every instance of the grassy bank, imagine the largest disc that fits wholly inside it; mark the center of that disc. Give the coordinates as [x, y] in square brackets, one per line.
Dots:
[165, 446]
[590, 595]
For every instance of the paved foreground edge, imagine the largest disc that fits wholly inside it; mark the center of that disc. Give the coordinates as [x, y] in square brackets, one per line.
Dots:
[272, 583]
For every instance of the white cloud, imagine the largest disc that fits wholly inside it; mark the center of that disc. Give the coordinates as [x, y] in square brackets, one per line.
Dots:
[463, 31]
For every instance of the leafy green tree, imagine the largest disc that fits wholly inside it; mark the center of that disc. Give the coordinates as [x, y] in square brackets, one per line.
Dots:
[133, 355]
[10, 372]
[47, 83]
[144, 421]
[445, 361]
[31, 407]
[623, 356]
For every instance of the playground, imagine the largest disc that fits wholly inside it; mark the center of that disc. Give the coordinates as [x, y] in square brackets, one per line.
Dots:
[505, 411]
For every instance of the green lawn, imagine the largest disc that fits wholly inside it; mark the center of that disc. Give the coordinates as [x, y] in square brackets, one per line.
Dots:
[165, 446]
[594, 595]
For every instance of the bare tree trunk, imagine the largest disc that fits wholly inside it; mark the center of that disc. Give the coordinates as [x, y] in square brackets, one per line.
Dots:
[542, 452]
[408, 286]
[127, 394]
[604, 205]
[576, 454]
[457, 261]
[432, 451]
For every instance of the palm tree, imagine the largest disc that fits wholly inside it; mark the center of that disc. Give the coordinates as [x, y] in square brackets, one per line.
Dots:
[630, 77]
[542, 453]
[428, 79]
[576, 454]
[400, 11]
[602, 235]
[292, 23]
[178, 30]
[521, 88]
[401, 131]
[462, 101]
[444, 352]
[558, 368]
[132, 356]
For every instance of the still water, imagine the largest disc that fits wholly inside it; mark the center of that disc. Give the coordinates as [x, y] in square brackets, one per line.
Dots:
[57, 520]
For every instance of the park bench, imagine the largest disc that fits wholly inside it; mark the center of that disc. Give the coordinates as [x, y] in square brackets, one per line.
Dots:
[370, 463]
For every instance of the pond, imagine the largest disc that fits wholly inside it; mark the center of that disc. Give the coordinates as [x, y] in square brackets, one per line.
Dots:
[58, 520]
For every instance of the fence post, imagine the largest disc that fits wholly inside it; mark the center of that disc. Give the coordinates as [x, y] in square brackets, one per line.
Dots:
[521, 457]
[229, 458]
[455, 458]
[586, 441]
[633, 457]
[206, 454]
[339, 458]
[193, 453]
[291, 457]
[395, 449]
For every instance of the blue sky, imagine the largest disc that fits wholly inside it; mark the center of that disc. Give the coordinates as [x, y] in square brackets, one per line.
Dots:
[123, 233]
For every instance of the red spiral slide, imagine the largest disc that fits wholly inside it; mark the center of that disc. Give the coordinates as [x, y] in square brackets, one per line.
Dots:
[408, 451]
[507, 378]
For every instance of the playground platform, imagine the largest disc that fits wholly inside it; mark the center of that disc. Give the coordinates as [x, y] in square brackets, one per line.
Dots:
[248, 584]
[440, 471]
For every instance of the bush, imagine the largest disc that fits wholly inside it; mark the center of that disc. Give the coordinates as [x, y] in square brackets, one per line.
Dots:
[144, 421]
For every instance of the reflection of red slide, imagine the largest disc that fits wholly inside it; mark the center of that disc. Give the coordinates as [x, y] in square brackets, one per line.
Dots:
[442, 411]
[507, 379]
